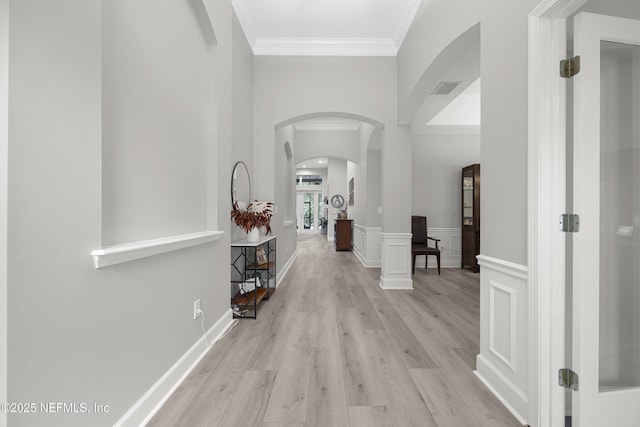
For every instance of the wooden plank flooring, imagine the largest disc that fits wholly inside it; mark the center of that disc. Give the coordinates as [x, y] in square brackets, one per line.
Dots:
[332, 349]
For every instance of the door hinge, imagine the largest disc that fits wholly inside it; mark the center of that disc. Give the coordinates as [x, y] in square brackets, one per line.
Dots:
[570, 223]
[569, 67]
[568, 379]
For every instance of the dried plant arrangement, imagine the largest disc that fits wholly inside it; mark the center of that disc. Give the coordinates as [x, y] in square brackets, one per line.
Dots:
[257, 215]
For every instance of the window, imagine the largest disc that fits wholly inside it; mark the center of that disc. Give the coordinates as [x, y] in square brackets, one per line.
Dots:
[309, 180]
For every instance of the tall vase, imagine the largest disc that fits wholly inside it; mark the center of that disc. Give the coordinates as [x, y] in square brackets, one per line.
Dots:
[254, 235]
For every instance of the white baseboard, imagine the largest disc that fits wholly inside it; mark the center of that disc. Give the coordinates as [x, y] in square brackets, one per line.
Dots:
[504, 390]
[286, 267]
[147, 406]
[367, 263]
[393, 284]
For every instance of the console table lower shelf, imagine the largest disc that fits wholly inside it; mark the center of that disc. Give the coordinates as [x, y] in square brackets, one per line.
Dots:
[253, 275]
[247, 303]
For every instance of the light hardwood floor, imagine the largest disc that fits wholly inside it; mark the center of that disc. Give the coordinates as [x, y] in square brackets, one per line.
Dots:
[331, 348]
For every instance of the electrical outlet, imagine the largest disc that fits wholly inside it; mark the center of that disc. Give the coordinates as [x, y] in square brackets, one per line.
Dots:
[196, 309]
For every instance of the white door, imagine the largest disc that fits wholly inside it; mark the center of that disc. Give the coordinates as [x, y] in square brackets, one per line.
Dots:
[606, 249]
[300, 211]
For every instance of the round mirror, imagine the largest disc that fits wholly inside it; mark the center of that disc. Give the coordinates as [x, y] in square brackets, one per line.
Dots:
[240, 186]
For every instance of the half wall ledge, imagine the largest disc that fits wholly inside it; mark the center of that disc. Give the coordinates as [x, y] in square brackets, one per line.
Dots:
[125, 252]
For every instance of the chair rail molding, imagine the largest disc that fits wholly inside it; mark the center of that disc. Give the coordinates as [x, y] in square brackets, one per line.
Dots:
[118, 254]
[396, 261]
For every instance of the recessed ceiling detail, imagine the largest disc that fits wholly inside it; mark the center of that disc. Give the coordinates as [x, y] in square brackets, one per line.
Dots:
[333, 27]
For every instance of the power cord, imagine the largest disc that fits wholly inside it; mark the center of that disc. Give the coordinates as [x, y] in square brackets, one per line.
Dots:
[206, 339]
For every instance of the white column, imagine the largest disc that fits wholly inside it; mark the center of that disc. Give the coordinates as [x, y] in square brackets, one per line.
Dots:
[396, 208]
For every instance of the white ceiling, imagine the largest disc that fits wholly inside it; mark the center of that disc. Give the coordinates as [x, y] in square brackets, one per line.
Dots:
[363, 27]
[317, 163]
[328, 27]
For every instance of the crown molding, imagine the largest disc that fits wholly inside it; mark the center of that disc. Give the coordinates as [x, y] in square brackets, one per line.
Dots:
[325, 47]
[406, 22]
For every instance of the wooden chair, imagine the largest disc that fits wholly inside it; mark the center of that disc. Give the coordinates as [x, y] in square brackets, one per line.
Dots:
[419, 241]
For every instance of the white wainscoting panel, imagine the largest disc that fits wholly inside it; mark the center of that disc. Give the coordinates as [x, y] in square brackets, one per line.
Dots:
[450, 248]
[503, 323]
[396, 261]
[503, 362]
[367, 245]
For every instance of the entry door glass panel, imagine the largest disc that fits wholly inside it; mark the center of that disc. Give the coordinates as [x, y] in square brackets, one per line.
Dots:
[308, 211]
[619, 292]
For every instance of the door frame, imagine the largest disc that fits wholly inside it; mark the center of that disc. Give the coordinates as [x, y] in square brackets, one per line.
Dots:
[546, 197]
[316, 220]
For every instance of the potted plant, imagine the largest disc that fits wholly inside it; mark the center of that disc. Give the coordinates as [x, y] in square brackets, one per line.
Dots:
[323, 225]
[256, 216]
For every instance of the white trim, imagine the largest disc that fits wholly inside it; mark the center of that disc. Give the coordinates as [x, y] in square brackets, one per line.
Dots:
[546, 201]
[325, 47]
[396, 235]
[396, 247]
[366, 263]
[510, 268]
[146, 407]
[285, 269]
[289, 223]
[367, 245]
[484, 365]
[508, 373]
[510, 361]
[395, 284]
[398, 274]
[118, 254]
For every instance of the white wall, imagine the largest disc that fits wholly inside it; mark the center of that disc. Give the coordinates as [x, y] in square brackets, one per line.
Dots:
[289, 87]
[374, 184]
[242, 99]
[282, 225]
[133, 321]
[241, 147]
[153, 121]
[436, 25]
[437, 163]
[339, 144]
